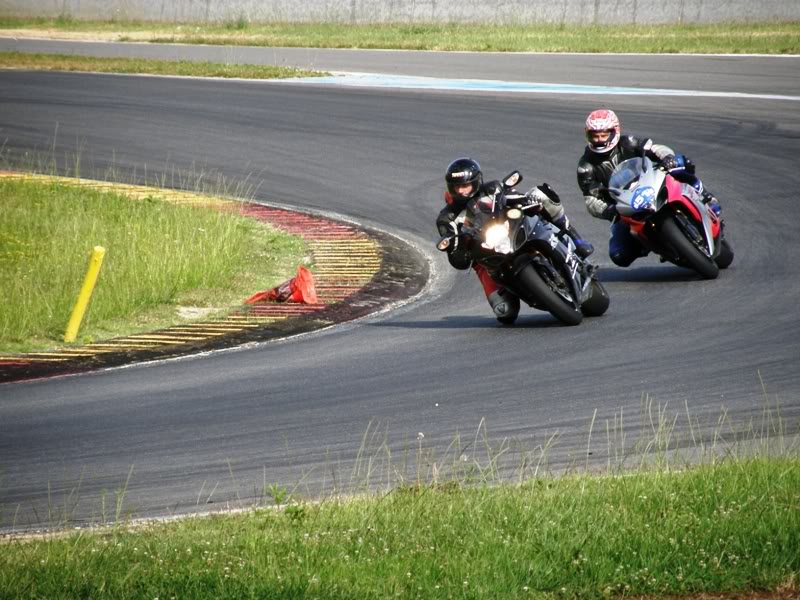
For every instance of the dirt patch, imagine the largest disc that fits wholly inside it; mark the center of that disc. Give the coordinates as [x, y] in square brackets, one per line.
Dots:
[52, 34]
[177, 35]
[196, 312]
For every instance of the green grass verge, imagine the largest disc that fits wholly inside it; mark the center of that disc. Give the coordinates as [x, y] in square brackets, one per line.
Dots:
[62, 62]
[159, 256]
[728, 527]
[742, 38]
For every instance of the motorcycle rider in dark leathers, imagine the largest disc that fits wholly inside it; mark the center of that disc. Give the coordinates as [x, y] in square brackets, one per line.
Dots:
[606, 148]
[464, 181]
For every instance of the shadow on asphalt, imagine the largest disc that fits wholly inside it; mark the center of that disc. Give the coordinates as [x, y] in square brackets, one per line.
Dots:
[525, 321]
[656, 274]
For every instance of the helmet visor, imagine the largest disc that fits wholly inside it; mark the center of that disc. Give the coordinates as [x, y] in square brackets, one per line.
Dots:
[599, 138]
[463, 190]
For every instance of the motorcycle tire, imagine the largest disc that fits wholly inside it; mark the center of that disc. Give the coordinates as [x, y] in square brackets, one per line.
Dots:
[598, 301]
[530, 280]
[690, 255]
[725, 257]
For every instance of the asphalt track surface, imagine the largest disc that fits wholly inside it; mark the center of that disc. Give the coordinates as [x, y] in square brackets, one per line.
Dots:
[392, 394]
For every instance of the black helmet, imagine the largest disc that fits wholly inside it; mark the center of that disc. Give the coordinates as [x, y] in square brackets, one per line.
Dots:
[462, 171]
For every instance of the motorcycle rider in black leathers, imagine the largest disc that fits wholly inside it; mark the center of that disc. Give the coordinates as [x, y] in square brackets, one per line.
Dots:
[464, 181]
[606, 148]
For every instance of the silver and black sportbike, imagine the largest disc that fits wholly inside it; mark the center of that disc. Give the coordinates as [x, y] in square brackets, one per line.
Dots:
[527, 255]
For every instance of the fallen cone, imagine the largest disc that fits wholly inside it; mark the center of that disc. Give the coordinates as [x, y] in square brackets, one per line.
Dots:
[299, 288]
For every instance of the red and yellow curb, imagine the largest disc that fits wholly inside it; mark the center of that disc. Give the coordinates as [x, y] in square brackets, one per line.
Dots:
[345, 259]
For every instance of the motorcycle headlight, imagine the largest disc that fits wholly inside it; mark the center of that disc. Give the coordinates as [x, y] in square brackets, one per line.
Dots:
[497, 239]
[514, 214]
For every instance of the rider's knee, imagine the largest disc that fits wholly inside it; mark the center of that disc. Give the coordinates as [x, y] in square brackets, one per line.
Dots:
[622, 259]
[504, 304]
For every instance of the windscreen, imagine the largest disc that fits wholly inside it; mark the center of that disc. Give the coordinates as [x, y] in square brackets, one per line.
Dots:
[626, 173]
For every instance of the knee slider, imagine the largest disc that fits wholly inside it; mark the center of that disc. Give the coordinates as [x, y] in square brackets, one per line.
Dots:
[623, 259]
[504, 304]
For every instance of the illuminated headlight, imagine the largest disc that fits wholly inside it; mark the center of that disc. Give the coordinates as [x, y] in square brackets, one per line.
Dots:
[497, 238]
[514, 214]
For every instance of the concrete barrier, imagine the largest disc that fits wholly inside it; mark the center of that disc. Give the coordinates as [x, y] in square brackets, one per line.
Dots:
[570, 12]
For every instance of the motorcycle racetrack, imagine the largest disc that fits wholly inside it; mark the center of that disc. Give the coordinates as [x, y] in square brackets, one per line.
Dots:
[705, 361]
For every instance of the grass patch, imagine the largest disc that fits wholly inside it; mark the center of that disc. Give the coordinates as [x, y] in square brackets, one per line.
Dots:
[728, 527]
[159, 256]
[732, 38]
[62, 62]
[717, 512]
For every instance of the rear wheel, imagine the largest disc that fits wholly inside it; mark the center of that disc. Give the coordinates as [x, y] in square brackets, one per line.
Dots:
[691, 256]
[549, 296]
[725, 257]
[598, 301]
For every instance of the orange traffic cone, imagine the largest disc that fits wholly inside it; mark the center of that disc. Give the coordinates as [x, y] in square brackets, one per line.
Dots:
[299, 288]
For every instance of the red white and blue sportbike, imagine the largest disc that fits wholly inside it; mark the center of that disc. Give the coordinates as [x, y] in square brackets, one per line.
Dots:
[668, 217]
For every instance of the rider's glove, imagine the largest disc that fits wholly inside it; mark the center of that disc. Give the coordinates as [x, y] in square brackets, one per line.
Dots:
[610, 212]
[672, 163]
[681, 163]
[549, 192]
[459, 255]
[535, 197]
[445, 222]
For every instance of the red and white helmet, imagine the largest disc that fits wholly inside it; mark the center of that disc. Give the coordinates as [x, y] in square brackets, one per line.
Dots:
[602, 121]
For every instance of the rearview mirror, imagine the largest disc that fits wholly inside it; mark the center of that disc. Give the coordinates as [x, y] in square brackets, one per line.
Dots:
[512, 179]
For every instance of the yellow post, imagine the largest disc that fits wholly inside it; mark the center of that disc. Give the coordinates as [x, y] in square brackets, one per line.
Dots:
[95, 262]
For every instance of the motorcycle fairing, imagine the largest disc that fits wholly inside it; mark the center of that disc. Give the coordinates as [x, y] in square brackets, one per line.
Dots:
[643, 197]
[635, 185]
[686, 199]
[543, 236]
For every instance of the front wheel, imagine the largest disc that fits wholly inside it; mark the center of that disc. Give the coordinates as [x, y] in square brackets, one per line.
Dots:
[545, 296]
[690, 255]
[598, 300]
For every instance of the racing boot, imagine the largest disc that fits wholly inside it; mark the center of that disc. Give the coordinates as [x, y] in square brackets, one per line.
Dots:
[582, 247]
[708, 197]
[711, 200]
[505, 305]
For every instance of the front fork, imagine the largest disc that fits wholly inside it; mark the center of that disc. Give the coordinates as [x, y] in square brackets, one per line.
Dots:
[702, 233]
[693, 216]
